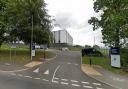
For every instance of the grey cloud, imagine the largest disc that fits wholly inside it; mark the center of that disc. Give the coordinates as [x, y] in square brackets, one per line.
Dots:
[65, 20]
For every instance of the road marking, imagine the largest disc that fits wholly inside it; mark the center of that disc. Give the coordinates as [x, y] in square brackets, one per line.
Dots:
[98, 88]
[64, 83]
[55, 72]
[76, 85]
[7, 64]
[76, 64]
[55, 81]
[56, 78]
[37, 78]
[68, 63]
[46, 72]
[84, 82]
[20, 75]
[74, 81]
[13, 74]
[45, 80]
[36, 70]
[98, 84]
[27, 76]
[87, 86]
[64, 79]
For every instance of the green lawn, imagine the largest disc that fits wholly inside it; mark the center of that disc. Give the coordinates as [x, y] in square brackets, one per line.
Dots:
[105, 63]
[21, 55]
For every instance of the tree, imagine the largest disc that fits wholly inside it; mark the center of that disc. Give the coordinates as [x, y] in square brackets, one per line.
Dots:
[22, 13]
[113, 21]
[3, 21]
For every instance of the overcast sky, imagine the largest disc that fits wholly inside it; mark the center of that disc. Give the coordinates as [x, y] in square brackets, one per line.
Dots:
[74, 15]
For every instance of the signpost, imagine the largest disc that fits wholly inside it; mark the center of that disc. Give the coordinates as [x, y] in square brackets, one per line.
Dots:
[115, 57]
[33, 50]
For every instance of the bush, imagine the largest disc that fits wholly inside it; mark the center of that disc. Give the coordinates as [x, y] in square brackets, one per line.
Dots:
[124, 57]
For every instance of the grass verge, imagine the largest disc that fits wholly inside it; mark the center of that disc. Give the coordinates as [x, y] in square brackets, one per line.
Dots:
[105, 63]
[22, 55]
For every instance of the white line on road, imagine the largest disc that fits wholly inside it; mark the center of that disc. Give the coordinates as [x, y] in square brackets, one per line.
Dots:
[98, 84]
[27, 76]
[13, 74]
[64, 83]
[45, 80]
[46, 72]
[20, 75]
[74, 81]
[98, 88]
[56, 78]
[37, 78]
[84, 82]
[36, 70]
[76, 64]
[68, 63]
[55, 81]
[76, 85]
[64, 79]
[87, 86]
[55, 72]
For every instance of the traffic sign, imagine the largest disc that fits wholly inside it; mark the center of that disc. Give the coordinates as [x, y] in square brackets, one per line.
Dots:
[115, 57]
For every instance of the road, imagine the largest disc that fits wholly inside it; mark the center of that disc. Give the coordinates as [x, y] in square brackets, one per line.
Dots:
[64, 72]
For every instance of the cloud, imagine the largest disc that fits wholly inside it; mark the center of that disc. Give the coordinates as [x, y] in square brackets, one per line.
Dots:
[65, 20]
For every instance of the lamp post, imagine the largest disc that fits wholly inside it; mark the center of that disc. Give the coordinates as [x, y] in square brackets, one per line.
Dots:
[31, 37]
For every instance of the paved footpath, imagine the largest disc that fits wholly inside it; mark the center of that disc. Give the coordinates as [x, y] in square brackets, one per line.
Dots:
[64, 72]
[97, 72]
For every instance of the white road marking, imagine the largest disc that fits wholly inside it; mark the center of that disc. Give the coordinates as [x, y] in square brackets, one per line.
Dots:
[36, 70]
[55, 81]
[27, 76]
[55, 72]
[87, 86]
[56, 78]
[45, 80]
[84, 82]
[46, 72]
[20, 75]
[64, 79]
[13, 74]
[98, 88]
[76, 64]
[98, 84]
[76, 85]
[37, 78]
[68, 63]
[64, 83]
[7, 64]
[74, 81]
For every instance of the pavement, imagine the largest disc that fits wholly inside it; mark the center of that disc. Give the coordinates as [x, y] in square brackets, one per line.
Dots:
[107, 77]
[64, 72]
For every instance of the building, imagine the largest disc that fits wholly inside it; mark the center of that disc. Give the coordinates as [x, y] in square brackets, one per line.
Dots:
[62, 36]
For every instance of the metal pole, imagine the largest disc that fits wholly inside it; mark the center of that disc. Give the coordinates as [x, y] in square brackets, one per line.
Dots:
[32, 37]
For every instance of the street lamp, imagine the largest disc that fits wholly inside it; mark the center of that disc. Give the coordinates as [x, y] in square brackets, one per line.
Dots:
[32, 37]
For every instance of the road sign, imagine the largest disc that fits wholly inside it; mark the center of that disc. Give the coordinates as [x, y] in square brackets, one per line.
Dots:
[33, 50]
[115, 57]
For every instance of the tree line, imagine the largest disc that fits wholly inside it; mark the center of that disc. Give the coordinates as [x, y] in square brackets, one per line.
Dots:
[17, 18]
[113, 21]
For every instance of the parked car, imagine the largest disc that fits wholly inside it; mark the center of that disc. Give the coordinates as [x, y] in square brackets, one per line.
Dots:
[91, 52]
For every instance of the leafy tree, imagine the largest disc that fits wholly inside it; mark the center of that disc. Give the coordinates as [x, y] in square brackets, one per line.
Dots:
[3, 21]
[113, 21]
[21, 14]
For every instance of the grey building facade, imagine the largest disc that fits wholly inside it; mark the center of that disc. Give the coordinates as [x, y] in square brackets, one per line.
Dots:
[62, 36]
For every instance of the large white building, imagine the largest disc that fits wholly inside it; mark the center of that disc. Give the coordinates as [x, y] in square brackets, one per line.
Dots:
[62, 36]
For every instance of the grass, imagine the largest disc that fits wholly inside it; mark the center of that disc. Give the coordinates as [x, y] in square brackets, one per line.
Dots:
[105, 63]
[21, 55]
